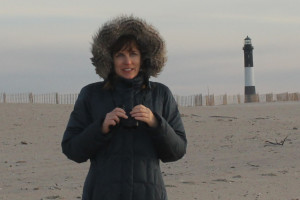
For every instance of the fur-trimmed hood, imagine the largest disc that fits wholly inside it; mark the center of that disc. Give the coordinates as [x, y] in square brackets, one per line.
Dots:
[152, 43]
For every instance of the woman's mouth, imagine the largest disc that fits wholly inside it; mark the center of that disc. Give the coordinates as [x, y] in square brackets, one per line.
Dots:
[127, 69]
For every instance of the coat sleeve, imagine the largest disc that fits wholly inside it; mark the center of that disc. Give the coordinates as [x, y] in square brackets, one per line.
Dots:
[169, 136]
[83, 137]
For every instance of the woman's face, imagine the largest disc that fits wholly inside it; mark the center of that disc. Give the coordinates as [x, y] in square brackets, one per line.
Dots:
[127, 62]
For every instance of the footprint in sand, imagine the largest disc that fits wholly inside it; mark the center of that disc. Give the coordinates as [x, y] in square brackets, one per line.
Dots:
[188, 182]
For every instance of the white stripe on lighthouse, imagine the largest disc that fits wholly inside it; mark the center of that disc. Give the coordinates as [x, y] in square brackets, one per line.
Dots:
[249, 76]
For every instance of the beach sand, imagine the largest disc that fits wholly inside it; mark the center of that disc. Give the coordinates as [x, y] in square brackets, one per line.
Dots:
[232, 153]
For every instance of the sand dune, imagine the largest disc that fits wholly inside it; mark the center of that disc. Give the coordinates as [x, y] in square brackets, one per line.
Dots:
[234, 152]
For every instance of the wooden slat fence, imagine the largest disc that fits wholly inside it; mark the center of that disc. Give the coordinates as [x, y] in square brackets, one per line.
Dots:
[50, 98]
[192, 100]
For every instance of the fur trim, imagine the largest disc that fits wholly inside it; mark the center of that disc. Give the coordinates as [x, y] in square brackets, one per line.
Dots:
[144, 33]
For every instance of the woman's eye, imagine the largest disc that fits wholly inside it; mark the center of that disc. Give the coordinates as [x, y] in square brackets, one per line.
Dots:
[118, 55]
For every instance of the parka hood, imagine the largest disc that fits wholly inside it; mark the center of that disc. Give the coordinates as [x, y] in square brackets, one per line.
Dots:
[146, 35]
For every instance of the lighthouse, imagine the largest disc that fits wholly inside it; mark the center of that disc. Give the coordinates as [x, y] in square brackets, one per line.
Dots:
[249, 74]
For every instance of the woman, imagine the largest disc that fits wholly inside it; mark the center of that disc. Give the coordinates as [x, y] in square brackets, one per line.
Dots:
[125, 124]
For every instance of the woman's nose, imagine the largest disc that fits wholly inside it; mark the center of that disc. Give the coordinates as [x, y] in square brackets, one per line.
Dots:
[127, 60]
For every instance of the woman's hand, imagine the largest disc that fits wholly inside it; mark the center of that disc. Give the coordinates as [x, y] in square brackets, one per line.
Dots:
[113, 118]
[144, 114]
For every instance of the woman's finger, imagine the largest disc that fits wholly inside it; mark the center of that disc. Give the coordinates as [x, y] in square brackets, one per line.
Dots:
[119, 112]
[144, 114]
[138, 109]
[113, 118]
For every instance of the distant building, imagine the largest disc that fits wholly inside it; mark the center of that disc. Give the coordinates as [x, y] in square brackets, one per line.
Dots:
[250, 94]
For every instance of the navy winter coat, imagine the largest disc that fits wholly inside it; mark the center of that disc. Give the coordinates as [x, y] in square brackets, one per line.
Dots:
[124, 162]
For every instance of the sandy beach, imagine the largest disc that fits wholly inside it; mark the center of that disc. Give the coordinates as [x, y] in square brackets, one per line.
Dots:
[246, 151]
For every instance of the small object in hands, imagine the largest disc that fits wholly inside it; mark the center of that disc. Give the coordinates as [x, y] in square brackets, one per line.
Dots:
[130, 122]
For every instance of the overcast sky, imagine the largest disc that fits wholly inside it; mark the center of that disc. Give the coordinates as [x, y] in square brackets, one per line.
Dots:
[45, 45]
